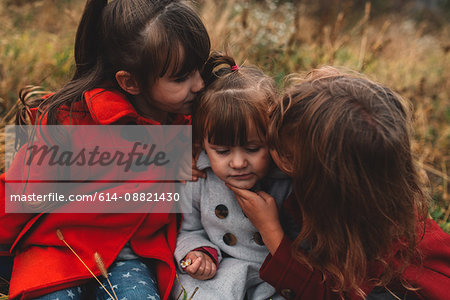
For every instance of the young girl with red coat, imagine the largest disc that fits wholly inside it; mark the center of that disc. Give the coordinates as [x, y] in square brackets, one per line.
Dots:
[137, 62]
[345, 141]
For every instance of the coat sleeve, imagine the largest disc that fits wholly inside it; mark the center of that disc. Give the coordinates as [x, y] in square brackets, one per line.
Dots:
[292, 279]
[432, 275]
[192, 233]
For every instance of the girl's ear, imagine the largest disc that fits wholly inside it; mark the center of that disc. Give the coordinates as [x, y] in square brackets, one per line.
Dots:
[128, 82]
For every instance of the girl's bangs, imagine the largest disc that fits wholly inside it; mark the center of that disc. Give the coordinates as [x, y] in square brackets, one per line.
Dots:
[220, 132]
[183, 52]
[228, 126]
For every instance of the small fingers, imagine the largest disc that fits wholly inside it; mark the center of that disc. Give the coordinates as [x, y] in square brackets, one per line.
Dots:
[207, 272]
[204, 269]
[242, 202]
[212, 270]
[244, 194]
[198, 174]
[194, 267]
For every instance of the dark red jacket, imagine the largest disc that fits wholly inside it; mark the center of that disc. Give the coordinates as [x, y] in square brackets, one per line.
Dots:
[44, 264]
[294, 280]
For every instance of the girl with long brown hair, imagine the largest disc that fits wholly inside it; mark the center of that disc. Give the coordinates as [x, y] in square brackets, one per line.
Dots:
[345, 141]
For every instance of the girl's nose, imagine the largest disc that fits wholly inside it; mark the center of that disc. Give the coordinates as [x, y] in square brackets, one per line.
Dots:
[198, 83]
[238, 161]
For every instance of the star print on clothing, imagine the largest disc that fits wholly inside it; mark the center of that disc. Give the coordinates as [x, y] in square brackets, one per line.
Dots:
[124, 298]
[134, 287]
[151, 297]
[126, 275]
[115, 286]
[79, 290]
[70, 294]
[120, 263]
[136, 269]
[142, 282]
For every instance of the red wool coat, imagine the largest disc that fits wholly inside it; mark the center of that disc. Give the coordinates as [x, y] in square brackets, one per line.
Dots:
[294, 280]
[43, 264]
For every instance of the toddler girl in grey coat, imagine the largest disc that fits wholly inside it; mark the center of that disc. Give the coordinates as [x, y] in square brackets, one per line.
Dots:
[218, 249]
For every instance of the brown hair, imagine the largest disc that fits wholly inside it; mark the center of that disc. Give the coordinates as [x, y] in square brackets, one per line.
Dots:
[348, 140]
[235, 95]
[145, 38]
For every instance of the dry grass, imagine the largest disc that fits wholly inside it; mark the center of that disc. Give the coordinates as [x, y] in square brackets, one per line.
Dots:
[37, 40]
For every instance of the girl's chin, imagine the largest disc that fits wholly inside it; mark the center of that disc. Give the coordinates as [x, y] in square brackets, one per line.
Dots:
[242, 185]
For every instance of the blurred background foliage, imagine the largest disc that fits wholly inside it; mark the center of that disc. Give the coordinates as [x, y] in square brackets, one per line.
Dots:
[401, 43]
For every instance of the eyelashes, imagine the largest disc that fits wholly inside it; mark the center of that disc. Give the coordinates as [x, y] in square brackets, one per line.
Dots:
[226, 151]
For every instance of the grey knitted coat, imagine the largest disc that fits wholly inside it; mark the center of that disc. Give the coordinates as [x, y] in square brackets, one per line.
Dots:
[217, 221]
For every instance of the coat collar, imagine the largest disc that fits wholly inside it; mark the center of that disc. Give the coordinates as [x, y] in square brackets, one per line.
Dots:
[203, 161]
[112, 107]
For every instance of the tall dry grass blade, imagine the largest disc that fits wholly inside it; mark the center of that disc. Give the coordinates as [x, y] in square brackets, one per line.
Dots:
[183, 290]
[445, 192]
[380, 37]
[102, 268]
[363, 45]
[61, 237]
[435, 172]
[178, 297]
[195, 291]
[218, 16]
[100, 264]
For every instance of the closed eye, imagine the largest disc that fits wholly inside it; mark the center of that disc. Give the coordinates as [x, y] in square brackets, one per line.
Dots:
[253, 149]
[222, 152]
[182, 78]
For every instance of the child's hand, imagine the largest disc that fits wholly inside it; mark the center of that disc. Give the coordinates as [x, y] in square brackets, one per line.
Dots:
[202, 266]
[189, 171]
[261, 209]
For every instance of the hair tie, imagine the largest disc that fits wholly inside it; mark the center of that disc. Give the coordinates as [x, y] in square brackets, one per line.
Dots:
[234, 68]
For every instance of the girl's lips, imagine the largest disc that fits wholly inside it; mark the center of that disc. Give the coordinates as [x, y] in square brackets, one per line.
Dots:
[242, 177]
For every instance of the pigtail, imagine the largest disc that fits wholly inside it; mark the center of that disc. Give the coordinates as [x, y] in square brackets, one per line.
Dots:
[87, 37]
[217, 65]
